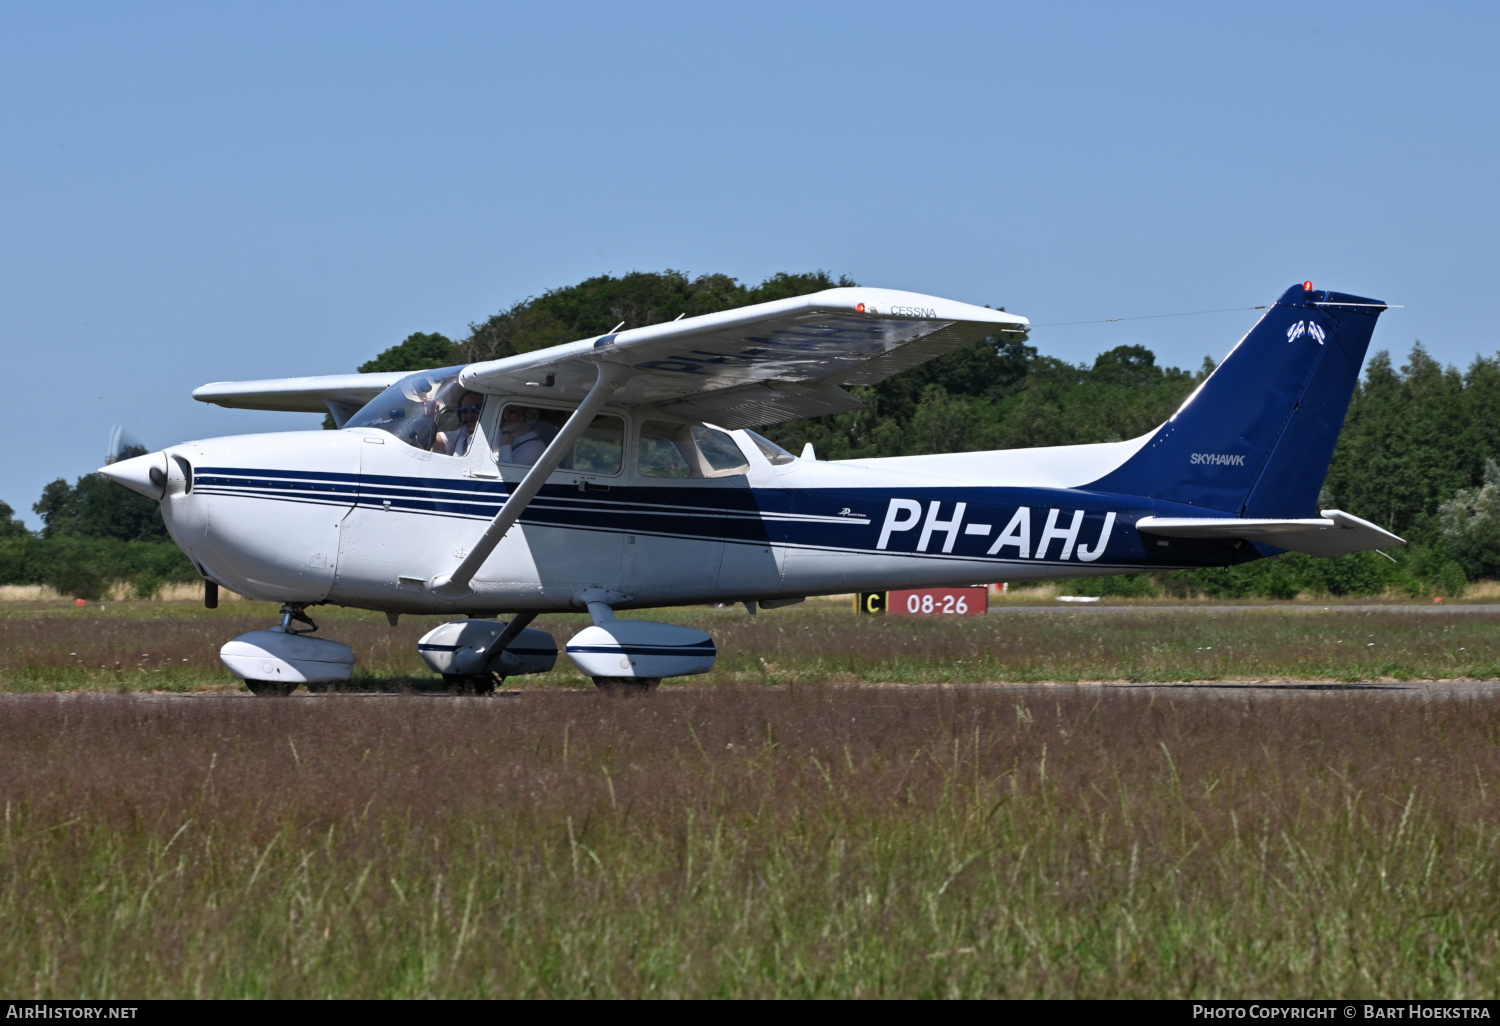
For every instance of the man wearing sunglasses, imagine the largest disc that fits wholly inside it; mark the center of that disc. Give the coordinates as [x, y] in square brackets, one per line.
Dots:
[469, 406]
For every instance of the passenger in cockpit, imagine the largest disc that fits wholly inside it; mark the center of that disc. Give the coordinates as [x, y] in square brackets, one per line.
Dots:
[457, 441]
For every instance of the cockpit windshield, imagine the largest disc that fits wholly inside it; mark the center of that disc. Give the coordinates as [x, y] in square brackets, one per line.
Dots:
[428, 409]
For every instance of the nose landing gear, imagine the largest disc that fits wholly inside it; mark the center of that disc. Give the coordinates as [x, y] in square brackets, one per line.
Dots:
[273, 662]
[296, 614]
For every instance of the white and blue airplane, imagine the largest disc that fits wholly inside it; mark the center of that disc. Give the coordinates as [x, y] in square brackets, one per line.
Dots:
[622, 472]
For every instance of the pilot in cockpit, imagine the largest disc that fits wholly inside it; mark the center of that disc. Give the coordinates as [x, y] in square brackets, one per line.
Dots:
[456, 442]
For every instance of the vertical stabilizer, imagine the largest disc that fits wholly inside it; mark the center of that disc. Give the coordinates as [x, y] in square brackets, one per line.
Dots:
[1256, 438]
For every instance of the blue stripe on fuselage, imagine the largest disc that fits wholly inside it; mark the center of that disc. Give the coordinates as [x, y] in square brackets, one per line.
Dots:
[830, 519]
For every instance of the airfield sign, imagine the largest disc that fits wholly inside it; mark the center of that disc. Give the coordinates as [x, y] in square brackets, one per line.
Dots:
[926, 602]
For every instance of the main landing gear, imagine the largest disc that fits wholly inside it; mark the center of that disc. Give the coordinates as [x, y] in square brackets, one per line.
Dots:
[473, 683]
[474, 655]
[632, 656]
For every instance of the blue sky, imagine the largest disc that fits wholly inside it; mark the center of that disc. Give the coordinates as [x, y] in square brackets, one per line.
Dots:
[201, 192]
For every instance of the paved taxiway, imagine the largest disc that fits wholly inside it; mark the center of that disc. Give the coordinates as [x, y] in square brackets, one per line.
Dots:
[1090, 607]
[1429, 690]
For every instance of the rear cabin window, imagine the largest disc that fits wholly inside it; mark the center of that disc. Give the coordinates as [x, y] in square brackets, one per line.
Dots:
[773, 453]
[719, 451]
[682, 451]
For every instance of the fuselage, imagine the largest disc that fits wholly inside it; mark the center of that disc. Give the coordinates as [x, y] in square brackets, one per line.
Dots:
[358, 517]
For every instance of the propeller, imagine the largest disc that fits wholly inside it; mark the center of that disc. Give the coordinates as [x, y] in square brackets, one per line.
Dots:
[122, 446]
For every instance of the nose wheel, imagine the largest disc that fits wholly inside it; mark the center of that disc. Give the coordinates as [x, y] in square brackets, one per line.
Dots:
[271, 688]
[627, 685]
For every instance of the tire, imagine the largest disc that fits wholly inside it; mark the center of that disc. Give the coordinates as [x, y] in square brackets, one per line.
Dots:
[627, 685]
[271, 688]
[467, 684]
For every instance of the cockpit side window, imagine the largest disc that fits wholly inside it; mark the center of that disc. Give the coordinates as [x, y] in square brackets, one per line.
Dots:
[526, 431]
[428, 410]
[601, 450]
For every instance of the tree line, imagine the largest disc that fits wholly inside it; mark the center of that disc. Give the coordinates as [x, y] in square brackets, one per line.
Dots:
[1419, 454]
[94, 534]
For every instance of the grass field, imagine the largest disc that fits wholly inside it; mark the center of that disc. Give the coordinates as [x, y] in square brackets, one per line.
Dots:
[750, 841]
[789, 825]
[173, 646]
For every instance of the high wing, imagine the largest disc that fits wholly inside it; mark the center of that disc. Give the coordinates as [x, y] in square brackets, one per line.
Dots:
[1337, 534]
[339, 394]
[756, 365]
[759, 364]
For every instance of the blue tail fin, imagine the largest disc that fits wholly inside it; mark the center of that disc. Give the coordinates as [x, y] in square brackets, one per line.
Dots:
[1256, 438]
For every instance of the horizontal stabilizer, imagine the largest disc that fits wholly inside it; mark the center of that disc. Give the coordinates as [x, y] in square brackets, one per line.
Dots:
[1336, 534]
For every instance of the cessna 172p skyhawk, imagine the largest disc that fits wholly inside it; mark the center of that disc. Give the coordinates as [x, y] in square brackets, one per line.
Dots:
[621, 472]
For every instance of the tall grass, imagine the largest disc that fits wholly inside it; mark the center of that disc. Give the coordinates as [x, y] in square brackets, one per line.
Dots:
[750, 842]
[174, 647]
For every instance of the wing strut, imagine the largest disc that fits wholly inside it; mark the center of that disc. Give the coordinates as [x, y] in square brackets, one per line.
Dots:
[455, 584]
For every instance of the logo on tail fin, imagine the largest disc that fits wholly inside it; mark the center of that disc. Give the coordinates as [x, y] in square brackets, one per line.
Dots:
[1301, 328]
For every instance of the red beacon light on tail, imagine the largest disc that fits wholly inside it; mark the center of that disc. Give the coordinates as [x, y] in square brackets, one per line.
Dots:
[1307, 286]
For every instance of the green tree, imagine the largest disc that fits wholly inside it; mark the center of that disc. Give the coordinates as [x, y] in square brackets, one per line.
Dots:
[1412, 454]
[419, 351]
[999, 394]
[11, 526]
[1413, 438]
[96, 507]
[1471, 525]
[605, 303]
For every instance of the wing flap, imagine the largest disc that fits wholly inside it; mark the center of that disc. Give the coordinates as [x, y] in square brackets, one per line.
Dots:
[755, 405]
[1336, 534]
